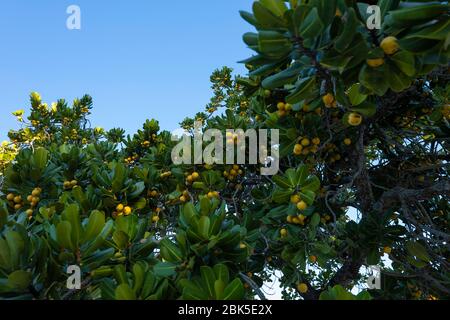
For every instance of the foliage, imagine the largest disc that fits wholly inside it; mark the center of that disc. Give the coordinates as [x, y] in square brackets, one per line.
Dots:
[364, 125]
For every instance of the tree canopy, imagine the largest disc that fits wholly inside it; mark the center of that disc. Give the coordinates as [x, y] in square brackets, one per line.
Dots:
[363, 116]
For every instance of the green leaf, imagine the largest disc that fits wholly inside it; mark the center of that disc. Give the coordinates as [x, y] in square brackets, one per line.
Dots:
[203, 227]
[95, 225]
[273, 43]
[71, 214]
[418, 250]
[305, 89]
[124, 292]
[170, 252]
[277, 7]
[265, 17]
[40, 158]
[284, 77]
[406, 62]
[234, 291]
[121, 239]
[312, 26]
[19, 280]
[346, 37]
[315, 220]
[63, 232]
[221, 272]
[282, 182]
[164, 269]
[355, 95]
[209, 279]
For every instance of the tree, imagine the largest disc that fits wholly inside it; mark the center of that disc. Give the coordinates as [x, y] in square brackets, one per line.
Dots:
[364, 125]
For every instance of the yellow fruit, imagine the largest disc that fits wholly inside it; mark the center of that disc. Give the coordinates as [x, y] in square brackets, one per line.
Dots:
[73, 183]
[235, 167]
[189, 179]
[316, 141]
[29, 212]
[305, 142]
[347, 141]
[302, 206]
[233, 172]
[127, 211]
[295, 198]
[36, 192]
[296, 220]
[216, 194]
[183, 199]
[281, 113]
[302, 288]
[289, 219]
[312, 259]
[354, 119]
[155, 219]
[120, 207]
[298, 149]
[30, 198]
[67, 184]
[35, 200]
[283, 232]
[17, 199]
[17, 206]
[10, 197]
[387, 250]
[242, 246]
[390, 45]
[328, 100]
[288, 107]
[281, 106]
[210, 195]
[375, 62]
[195, 175]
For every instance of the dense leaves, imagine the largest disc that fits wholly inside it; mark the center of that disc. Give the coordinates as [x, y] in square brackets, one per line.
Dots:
[363, 117]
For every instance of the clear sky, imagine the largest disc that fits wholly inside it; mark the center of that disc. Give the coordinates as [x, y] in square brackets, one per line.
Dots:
[138, 59]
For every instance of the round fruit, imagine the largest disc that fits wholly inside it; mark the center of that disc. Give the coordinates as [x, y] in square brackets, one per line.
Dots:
[120, 207]
[195, 175]
[295, 198]
[36, 192]
[17, 206]
[155, 219]
[298, 149]
[390, 45]
[328, 99]
[313, 259]
[316, 141]
[283, 232]
[374, 63]
[17, 199]
[302, 287]
[30, 198]
[183, 199]
[29, 212]
[73, 183]
[347, 141]
[127, 211]
[302, 205]
[10, 197]
[354, 119]
[387, 250]
[305, 142]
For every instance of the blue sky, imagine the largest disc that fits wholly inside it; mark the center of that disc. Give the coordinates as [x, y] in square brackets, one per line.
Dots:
[138, 59]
